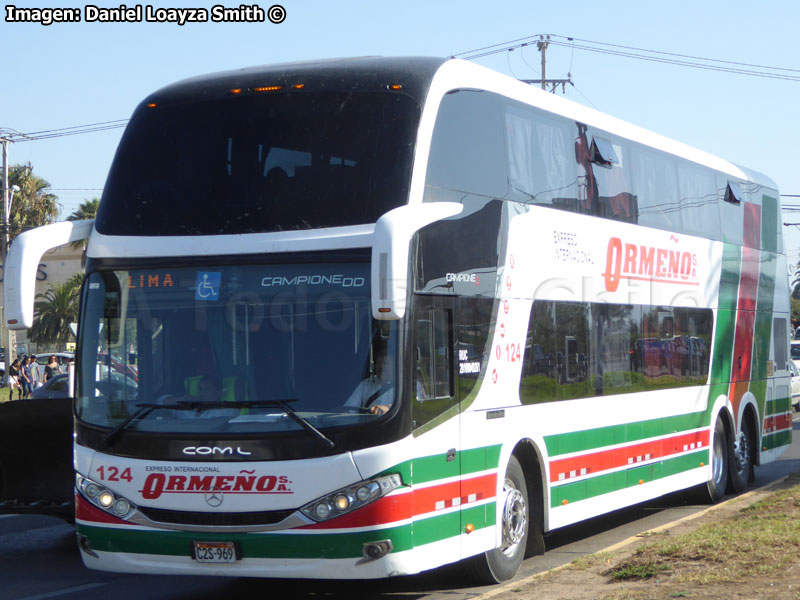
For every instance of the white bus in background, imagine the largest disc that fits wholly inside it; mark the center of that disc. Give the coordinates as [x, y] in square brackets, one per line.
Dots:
[390, 314]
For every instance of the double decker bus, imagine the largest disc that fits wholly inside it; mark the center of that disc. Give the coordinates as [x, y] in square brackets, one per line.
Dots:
[362, 318]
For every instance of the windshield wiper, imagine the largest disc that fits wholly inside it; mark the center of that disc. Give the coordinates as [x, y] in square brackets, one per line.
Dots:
[282, 404]
[145, 409]
[142, 411]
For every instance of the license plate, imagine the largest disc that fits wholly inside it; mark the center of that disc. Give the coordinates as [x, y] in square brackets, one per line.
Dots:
[215, 552]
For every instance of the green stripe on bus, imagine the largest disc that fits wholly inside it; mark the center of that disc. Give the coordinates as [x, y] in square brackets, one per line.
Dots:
[726, 314]
[603, 484]
[763, 322]
[430, 530]
[769, 224]
[253, 545]
[283, 545]
[777, 440]
[430, 468]
[593, 439]
[778, 406]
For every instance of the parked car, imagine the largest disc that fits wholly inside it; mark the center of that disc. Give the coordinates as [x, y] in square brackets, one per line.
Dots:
[55, 387]
[795, 385]
[796, 353]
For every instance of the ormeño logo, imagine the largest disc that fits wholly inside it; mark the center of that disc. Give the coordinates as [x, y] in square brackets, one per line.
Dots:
[648, 263]
[247, 482]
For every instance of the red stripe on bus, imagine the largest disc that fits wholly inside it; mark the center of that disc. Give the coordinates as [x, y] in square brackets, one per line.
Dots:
[777, 423]
[402, 507]
[597, 462]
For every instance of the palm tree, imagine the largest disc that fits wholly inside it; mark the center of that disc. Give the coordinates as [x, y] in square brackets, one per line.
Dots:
[55, 310]
[86, 211]
[33, 205]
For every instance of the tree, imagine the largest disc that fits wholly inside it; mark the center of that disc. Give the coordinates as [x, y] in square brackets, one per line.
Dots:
[54, 311]
[86, 211]
[33, 205]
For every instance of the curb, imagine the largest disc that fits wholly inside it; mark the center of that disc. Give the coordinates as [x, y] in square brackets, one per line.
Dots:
[530, 578]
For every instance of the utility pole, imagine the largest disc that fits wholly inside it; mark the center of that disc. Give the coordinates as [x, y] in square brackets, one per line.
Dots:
[542, 46]
[5, 333]
[544, 41]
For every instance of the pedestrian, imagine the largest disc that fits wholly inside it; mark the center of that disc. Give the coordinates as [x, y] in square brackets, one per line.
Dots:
[13, 379]
[52, 368]
[25, 377]
[36, 373]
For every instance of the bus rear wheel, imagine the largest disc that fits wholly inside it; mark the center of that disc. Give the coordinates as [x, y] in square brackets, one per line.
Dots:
[720, 453]
[741, 462]
[502, 563]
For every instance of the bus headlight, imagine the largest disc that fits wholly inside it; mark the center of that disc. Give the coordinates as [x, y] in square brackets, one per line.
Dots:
[351, 498]
[103, 498]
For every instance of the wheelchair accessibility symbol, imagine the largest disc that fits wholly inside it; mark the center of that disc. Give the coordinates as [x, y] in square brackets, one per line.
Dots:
[207, 288]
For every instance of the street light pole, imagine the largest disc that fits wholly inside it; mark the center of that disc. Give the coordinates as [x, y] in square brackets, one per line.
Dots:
[5, 333]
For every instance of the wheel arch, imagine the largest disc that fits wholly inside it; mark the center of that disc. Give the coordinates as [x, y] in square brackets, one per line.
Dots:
[532, 462]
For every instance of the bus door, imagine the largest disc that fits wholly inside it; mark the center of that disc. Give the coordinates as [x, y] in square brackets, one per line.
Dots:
[436, 470]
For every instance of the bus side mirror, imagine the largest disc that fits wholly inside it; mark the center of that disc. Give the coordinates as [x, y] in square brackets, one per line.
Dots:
[19, 277]
[391, 243]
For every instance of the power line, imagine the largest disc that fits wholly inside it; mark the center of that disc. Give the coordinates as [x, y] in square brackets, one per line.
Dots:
[17, 136]
[729, 62]
[737, 68]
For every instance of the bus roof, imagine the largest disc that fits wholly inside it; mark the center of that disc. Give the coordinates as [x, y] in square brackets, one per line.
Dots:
[367, 73]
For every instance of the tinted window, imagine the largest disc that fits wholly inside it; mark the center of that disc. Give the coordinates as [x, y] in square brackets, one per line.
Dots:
[301, 333]
[491, 146]
[576, 349]
[260, 163]
[432, 353]
[468, 146]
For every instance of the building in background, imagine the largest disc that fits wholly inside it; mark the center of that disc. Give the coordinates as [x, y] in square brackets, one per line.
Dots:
[56, 267]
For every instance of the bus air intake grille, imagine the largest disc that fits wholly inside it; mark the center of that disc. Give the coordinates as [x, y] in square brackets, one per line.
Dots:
[181, 517]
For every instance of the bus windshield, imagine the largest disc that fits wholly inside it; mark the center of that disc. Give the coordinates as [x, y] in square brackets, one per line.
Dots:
[226, 349]
[256, 164]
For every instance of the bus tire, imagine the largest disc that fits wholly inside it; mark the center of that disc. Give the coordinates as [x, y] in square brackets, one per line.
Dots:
[741, 457]
[502, 563]
[720, 454]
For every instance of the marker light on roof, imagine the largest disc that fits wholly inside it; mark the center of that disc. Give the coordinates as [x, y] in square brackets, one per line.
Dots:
[267, 88]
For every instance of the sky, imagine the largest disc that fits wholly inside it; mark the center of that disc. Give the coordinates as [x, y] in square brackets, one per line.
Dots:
[70, 74]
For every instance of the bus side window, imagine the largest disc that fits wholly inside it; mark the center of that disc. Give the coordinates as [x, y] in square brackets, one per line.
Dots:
[433, 390]
[433, 370]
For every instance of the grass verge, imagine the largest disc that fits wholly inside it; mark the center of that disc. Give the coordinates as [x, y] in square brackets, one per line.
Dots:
[757, 540]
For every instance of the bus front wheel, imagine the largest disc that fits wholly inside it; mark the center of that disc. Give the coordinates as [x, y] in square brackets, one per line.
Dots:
[502, 563]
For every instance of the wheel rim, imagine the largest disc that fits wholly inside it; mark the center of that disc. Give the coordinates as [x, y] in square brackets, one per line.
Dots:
[741, 453]
[515, 518]
[718, 460]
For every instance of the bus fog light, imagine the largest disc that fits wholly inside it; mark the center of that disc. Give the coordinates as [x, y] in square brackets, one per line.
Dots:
[122, 507]
[375, 550]
[363, 493]
[105, 499]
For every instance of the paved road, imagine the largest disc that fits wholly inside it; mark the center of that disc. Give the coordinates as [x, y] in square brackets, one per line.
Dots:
[39, 560]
